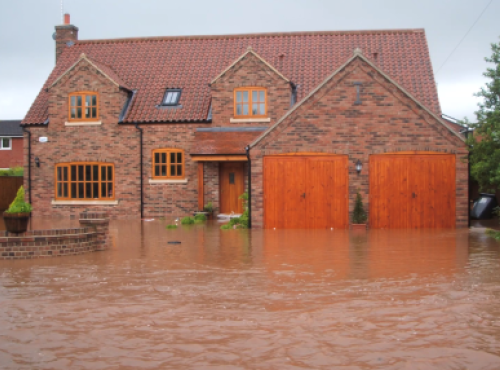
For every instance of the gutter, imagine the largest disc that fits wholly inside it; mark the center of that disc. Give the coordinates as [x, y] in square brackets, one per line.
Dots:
[141, 174]
[247, 148]
[29, 162]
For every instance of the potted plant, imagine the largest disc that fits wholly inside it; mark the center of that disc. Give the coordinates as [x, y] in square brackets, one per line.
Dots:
[359, 215]
[17, 216]
[208, 209]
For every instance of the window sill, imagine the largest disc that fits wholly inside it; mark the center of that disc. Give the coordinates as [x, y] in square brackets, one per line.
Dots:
[5, 148]
[84, 202]
[183, 181]
[83, 123]
[245, 120]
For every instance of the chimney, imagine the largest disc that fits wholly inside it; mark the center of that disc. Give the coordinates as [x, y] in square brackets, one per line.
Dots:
[65, 36]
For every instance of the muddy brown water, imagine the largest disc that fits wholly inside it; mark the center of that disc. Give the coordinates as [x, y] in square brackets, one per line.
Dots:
[257, 299]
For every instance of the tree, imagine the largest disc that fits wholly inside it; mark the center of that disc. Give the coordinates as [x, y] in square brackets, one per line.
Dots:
[485, 143]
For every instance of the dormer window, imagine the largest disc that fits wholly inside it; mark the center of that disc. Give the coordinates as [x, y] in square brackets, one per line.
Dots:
[172, 97]
[250, 102]
[83, 106]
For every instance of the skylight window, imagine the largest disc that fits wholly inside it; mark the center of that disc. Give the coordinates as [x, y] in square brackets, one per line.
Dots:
[172, 97]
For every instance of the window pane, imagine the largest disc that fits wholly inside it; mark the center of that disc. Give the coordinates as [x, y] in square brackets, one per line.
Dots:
[103, 174]
[59, 173]
[94, 112]
[262, 96]
[88, 190]
[245, 110]
[79, 101]
[172, 157]
[231, 177]
[5, 143]
[94, 100]
[262, 109]
[81, 193]
[238, 96]
[163, 157]
[110, 173]
[87, 112]
[65, 173]
[73, 190]
[245, 96]
[172, 171]
[73, 173]
[157, 157]
[96, 172]
[95, 190]
[238, 110]
[78, 112]
[110, 189]
[65, 188]
[88, 102]
[179, 170]
[59, 190]
[80, 173]
[88, 173]
[254, 96]
[255, 109]
[164, 170]
[103, 190]
[73, 101]
[157, 170]
[179, 157]
[73, 113]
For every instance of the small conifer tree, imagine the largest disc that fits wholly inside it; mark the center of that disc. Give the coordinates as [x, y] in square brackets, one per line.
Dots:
[359, 214]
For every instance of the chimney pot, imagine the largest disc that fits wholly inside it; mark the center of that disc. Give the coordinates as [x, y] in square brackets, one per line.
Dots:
[66, 19]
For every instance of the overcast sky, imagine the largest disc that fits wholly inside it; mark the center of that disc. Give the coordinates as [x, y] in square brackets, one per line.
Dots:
[27, 48]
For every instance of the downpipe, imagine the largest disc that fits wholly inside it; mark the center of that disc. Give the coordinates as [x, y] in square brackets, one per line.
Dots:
[249, 170]
[29, 162]
[140, 166]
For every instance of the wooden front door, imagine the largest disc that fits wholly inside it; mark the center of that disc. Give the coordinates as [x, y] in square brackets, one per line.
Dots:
[412, 191]
[305, 192]
[231, 187]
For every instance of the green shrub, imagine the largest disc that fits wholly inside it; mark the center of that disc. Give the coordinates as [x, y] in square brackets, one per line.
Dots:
[226, 227]
[187, 220]
[359, 214]
[19, 205]
[242, 221]
[171, 227]
[200, 217]
[208, 207]
[199, 222]
[14, 171]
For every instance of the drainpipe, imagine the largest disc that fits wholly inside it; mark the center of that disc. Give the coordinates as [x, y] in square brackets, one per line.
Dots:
[140, 136]
[249, 187]
[466, 131]
[29, 161]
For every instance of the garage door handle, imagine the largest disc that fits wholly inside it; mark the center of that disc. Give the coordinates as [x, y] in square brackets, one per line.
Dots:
[304, 195]
[413, 195]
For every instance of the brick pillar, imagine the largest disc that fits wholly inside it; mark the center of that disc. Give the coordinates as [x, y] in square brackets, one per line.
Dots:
[99, 221]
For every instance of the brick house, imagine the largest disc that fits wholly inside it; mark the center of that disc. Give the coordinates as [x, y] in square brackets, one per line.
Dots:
[160, 126]
[11, 144]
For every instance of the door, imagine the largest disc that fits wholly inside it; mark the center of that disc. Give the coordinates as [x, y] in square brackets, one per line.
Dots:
[412, 191]
[231, 187]
[305, 192]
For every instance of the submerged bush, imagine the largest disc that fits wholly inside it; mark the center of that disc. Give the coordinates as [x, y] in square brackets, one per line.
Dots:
[242, 221]
[226, 227]
[200, 217]
[19, 205]
[171, 227]
[187, 220]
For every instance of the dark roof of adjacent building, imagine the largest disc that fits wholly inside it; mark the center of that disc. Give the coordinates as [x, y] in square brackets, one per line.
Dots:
[11, 128]
[152, 65]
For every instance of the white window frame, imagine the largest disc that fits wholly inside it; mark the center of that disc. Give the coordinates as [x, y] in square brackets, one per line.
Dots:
[1, 143]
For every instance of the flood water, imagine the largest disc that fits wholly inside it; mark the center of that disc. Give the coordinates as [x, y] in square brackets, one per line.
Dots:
[240, 299]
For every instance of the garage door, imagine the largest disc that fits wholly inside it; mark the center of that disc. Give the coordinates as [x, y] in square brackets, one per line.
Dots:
[412, 191]
[305, 192]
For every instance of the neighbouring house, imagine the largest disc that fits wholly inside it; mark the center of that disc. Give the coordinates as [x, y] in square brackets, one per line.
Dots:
[11, 144]
[160, 126]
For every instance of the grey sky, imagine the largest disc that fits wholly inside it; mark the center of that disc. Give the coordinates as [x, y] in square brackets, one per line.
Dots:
[27, 48]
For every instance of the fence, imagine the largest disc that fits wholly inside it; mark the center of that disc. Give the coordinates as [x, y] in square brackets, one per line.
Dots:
[8, 190]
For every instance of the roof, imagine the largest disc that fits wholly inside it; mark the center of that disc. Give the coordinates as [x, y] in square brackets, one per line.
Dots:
[223, 142]
[11, 128]
[151, 65]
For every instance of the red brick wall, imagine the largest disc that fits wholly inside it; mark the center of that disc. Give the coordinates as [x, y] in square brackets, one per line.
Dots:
[13, 157]
[386, 121]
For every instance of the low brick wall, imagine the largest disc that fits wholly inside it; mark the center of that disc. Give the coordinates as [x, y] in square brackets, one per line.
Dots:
[93, 236]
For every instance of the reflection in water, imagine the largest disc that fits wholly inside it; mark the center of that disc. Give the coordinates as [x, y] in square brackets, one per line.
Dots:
[267, 299]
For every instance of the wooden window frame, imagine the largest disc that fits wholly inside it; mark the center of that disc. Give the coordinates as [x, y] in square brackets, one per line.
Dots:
[250, 102]
[84, 181]
[168, 163]
[84, 94]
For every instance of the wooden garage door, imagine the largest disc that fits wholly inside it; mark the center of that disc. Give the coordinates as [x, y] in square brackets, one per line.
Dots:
[412, 191]
[305, 192]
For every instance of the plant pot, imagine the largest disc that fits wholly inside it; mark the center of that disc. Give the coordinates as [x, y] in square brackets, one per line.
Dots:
[16, 223]
[358, 226]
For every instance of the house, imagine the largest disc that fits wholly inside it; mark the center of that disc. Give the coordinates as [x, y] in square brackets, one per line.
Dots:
[160, 126]
[11, 144]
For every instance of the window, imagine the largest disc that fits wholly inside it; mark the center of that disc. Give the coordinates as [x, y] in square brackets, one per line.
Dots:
[172, 97]
[85, 181]
[83, 106]
[168, 164]
[5, 143]
[250, 102]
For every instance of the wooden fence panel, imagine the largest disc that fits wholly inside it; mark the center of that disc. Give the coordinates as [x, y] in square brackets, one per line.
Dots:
[8, 190]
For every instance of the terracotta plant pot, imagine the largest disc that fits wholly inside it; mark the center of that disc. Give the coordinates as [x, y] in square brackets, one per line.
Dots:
[358, 226]
[16, 223]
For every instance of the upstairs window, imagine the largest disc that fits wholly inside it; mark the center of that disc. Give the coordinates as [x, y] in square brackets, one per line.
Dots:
[83, 106]
[172, 97]
[85, 181]
[250, 102]
[5, 143]
[168, 164]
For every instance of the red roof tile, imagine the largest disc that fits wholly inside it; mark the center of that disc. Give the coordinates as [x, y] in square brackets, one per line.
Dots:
[223, 142]
[152, 65]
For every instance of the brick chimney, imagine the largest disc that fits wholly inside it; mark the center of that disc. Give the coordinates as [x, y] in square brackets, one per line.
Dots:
[66, 34]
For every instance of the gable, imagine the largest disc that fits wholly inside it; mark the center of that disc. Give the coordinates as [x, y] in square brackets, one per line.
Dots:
[332, 109]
